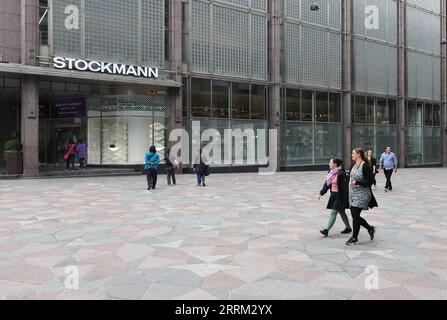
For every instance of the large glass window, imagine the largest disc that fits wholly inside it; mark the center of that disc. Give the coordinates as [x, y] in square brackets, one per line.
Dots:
[293, 105]
[307, 106]
[200, 98]
[9, 114]
[423, 143]
[321, 107]
[309, 137]
[241, 101]
[220, 99]
[375, 121]
[43, 22]
[258, 102]
[334, 107]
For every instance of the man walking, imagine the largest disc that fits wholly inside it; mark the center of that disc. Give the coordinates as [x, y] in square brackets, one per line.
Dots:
[388, 162]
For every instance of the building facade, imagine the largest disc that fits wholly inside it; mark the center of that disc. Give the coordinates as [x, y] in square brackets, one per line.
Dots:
[122, 74]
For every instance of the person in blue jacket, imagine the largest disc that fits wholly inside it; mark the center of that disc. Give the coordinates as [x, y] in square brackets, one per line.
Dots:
[152, 159]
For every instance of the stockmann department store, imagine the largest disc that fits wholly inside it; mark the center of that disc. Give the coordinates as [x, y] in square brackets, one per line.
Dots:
[120, 75]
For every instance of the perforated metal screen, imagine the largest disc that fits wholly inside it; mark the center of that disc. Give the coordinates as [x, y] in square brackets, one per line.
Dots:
[375, 67]
[229, 40]
[129, 31]
[312, 56]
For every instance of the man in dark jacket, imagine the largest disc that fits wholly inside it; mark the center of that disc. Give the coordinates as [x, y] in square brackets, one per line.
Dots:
[170, 167]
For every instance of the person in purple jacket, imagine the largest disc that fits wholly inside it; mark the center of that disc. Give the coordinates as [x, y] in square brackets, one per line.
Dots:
[82, 154]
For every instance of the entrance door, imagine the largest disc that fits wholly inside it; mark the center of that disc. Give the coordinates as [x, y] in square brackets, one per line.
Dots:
[63, 135]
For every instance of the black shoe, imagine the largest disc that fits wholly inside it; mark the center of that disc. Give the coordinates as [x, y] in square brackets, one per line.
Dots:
[352, 241]
[346, 231]
[204, 185]
[372, 232]
[149, 188]
[324, 232]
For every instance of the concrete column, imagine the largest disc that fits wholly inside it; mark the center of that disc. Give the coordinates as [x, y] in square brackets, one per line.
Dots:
[30, 92]
[29, 31]
[444, 84]
[30, 126]
[274, 101]
[401, 88]
[175, 55]
[347, 81]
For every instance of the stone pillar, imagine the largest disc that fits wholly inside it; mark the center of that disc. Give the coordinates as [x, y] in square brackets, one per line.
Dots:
[444, 84]
[30, 126]
[175, 55]
[401, 88]
[347, 81]
[274, 101]
[29, 92]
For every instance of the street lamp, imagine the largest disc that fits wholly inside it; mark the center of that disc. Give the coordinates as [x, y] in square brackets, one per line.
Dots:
[314, 6]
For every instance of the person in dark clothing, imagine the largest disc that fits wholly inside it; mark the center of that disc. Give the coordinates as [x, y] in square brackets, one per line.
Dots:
[360, 194]
[152, 159]
[170, 167]
[70, 155]
[373, 164]
[337, 182]
[201, 168]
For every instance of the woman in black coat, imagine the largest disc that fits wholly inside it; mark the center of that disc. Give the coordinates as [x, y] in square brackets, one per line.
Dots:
[338, 183]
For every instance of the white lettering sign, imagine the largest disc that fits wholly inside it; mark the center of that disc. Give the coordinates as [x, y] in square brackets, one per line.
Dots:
[104, 67]
[372, 18]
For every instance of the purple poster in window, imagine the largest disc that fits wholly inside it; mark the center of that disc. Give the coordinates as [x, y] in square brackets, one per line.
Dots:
[69, 108]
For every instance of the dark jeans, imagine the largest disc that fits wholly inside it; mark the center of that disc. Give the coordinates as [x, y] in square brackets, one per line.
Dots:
[81, 163]
[374, 179]
[70, 163]
[358, 221]
[151, 176]
[388, 174]
[170, 174]
[200, 177]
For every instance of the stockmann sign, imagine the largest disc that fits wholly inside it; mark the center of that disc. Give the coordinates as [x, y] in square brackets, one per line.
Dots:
[104, 67]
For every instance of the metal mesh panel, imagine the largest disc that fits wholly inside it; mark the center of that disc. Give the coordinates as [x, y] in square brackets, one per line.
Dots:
[152, 32]
[292, 9]
[259, 44]
[292, 52]
[360, 64]
[244, 3]
[392, 70]
[230, 29]
[387, 22]
[436, 78]
[200, 36]
[111, 30]
[376, 67]
[434, 5]
[314, 55]
[65, 42]
[421, 76]
[259, 4]
[318, 17]
[423, 30]
[335, 14]
[334, 61]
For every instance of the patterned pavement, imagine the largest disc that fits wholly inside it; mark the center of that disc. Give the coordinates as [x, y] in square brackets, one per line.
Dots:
[244, 236]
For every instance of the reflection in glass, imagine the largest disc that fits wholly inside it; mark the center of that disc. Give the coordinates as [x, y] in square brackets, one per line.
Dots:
[258, 102]
[293, 105]
[307, 106]
[241, 101]
[200, 98]
[220, 99]
[321, 107]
